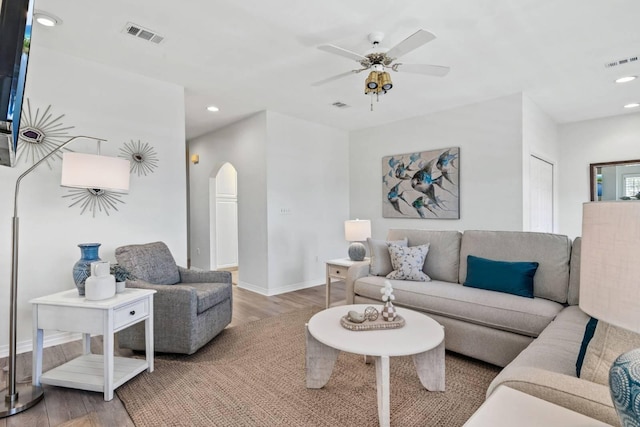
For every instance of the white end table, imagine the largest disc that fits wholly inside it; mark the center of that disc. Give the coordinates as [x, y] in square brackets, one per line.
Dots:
[421, 337]
[67, 311]
[507, 407]
[337, 269]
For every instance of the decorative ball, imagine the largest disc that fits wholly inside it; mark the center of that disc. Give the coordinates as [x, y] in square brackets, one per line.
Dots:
[370, 313]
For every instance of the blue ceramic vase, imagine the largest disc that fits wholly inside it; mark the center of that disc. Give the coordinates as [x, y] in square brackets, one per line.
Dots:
[624, 384]
[82, 268]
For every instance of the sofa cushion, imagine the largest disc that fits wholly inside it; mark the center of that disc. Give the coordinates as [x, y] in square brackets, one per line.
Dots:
[210, 294]
[444, 251]
[380, 264]
[607, 344]
[555, 349]
[408, 262]
[492, 309]
[551, 251]
[511, 277]
[151, 262]
[573, 298]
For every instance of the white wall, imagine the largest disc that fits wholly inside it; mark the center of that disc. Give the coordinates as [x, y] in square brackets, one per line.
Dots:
[243, 144]
[307, 177]
[489, 135]
[539, 138]
[107, 103]
[593, 141]
[282, 163]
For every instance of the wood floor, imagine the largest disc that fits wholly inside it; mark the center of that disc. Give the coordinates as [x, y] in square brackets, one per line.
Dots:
[61, 405]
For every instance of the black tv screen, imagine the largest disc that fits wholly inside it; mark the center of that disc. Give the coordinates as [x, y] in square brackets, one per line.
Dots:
[15, 41]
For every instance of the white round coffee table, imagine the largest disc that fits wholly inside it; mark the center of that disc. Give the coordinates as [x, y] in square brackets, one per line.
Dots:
[421, 337]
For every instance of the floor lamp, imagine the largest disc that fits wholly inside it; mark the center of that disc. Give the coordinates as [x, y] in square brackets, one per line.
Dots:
[78, 171]
[610, 290]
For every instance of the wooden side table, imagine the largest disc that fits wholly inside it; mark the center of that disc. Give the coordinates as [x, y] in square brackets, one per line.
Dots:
[337, 269]
[67, 311]
[510, 407]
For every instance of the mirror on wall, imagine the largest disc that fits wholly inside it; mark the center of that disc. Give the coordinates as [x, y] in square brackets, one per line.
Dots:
[615, 180]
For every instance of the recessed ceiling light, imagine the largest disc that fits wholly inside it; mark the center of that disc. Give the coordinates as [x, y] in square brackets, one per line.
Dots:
[632, 105]
[46, 19]
[213, 108]
[626, 79]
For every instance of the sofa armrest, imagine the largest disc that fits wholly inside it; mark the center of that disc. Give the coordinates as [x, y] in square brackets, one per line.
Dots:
[171, 300]
[356, 271]
[196, 276]
[579, 395]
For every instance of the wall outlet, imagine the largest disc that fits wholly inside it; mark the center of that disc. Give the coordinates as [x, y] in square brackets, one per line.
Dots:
[197, 251]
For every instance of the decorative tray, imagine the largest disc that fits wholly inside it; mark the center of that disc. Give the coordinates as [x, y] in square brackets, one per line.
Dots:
[369, 325]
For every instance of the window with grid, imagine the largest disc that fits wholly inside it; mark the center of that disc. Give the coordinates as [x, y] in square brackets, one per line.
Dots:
[631, 185]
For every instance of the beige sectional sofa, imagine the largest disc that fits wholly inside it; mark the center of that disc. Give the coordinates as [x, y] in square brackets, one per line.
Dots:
[537, 339]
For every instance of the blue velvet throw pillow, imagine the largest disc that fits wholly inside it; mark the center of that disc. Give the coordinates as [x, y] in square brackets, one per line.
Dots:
[501, 276]
[589, 330]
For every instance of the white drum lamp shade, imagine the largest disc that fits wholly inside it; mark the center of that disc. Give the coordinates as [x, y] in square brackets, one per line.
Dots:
[82, 170]
[610, 286]
[357, 231]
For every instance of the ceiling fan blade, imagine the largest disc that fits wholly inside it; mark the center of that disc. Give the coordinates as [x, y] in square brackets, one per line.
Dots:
[412, 42]
[336, 77]
[342, 52]
[430, 70]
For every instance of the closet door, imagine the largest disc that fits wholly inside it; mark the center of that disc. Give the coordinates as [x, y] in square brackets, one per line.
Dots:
[541, 195]
[226, 217]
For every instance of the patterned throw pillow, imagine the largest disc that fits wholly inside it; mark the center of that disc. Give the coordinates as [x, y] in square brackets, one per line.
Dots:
[380, 264]
[408, 262]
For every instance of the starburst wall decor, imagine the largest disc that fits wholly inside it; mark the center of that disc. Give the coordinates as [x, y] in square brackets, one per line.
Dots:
[94, 200]
[40, 134]
[142, 156]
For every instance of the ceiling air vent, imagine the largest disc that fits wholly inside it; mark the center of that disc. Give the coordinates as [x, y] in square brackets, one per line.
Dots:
[622, 61]
[142, 33]
[339, 104]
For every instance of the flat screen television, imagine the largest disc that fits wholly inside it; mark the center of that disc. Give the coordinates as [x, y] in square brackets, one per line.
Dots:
[15, 41]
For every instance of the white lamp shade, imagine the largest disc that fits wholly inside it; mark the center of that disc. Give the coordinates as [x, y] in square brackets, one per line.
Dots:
[610, 263]
[357, 230]
[82, 170]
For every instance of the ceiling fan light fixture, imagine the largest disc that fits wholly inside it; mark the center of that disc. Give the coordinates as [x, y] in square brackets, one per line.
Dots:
[384, 80]
[371, 84]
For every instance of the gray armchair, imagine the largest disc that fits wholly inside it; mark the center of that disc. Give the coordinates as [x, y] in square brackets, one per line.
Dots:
[190, 307]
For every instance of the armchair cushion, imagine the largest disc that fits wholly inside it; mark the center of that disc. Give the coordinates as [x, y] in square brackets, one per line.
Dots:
[203, 276]
[151, 262]
[210, 294]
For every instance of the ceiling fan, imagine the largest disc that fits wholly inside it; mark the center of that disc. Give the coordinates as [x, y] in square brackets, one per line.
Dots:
[378, 59]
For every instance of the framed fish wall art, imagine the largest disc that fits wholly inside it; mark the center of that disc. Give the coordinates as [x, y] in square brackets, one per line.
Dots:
[424, 184]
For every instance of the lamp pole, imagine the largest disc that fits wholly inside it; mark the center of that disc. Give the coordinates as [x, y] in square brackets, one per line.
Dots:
[18, 398]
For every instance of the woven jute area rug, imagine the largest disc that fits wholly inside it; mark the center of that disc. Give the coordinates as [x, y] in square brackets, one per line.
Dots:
[254, 375]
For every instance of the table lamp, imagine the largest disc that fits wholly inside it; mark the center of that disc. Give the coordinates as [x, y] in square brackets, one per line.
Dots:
[610, 289]
[357, 231]
[78, 171]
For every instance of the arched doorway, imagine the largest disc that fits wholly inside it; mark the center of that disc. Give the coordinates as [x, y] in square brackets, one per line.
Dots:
[224, 210]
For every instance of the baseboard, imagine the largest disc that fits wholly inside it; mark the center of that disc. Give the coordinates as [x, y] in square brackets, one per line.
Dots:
[48, 341]
[281, 289]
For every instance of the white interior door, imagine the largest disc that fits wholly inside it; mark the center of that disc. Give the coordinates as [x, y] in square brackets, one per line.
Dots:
[541, 195]
[226, 206]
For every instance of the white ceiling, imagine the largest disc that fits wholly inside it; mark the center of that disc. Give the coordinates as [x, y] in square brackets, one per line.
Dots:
[250, 55]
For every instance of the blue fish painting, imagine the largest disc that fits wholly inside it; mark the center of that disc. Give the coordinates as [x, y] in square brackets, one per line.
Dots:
[422, 184]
